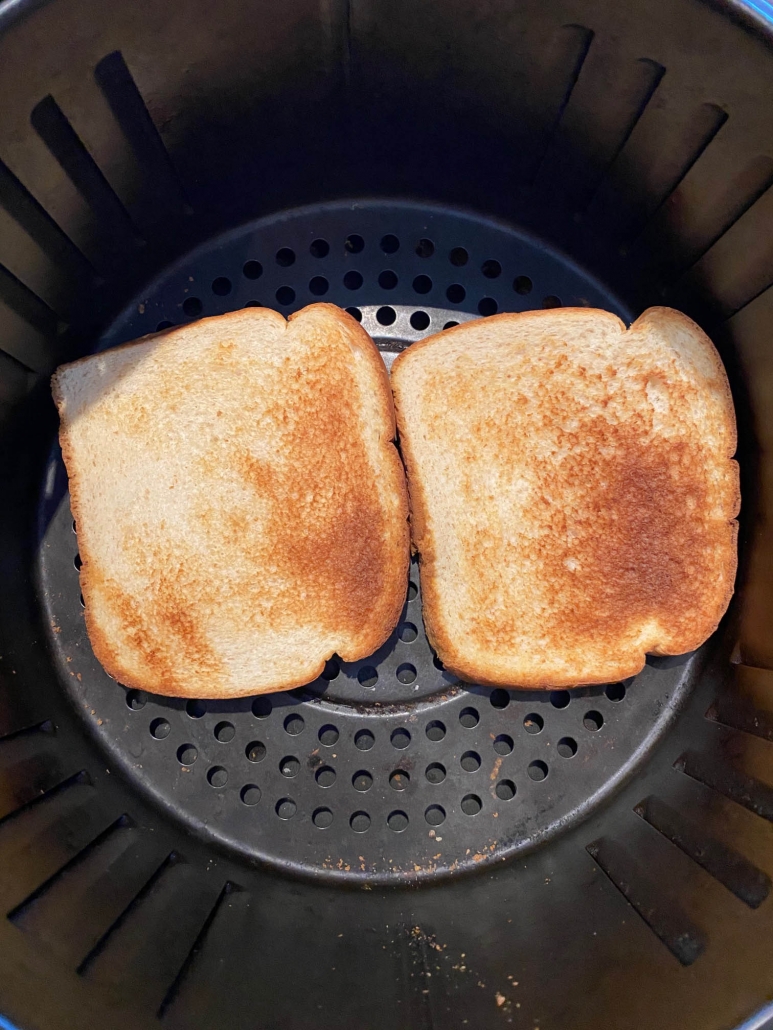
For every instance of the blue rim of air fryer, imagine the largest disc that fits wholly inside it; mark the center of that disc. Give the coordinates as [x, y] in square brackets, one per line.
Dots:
[763, 1018]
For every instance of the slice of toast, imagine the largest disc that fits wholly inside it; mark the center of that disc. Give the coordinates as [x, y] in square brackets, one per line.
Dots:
[240, 504]
[572, 494]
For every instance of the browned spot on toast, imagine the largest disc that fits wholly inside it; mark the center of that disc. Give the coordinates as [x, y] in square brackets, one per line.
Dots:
[164, 628]
[322, 531]
[616, 505]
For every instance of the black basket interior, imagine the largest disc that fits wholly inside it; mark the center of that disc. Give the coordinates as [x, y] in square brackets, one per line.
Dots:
[387, 848]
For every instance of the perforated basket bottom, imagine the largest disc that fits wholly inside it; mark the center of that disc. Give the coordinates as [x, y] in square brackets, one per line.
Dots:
[387, 768]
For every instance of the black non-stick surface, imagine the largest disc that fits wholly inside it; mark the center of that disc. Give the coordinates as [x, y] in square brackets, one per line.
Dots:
[651, 906]
[633, 137]
[386, 768]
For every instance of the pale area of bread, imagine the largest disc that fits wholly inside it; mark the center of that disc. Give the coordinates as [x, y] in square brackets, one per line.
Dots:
[572, 496]
[240, 504]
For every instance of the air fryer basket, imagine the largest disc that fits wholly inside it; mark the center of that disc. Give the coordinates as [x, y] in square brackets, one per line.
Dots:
[388, 848]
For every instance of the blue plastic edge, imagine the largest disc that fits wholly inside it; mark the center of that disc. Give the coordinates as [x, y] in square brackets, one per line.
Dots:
[762, 1020]
[762, 7]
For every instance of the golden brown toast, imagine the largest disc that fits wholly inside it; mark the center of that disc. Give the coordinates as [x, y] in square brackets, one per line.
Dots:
[240, 504]
[572, 492]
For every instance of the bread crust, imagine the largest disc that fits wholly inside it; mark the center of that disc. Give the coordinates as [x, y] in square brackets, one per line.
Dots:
[455, 644]
[371, 542]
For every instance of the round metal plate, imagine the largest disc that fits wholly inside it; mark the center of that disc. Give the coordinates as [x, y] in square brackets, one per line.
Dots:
[385, 769]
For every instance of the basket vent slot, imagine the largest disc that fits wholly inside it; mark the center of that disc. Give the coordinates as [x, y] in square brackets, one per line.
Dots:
[663, 916]
[732, 870]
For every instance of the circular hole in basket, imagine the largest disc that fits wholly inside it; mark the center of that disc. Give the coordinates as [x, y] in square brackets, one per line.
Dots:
[192, 307]
[567, 747]
[322, 818]
[387, 280]
[221, 286]
[406, 673]
[593, 721]
[360, 822]
[537, 770]
[425, 248]
[164, 324]
[435, 772]
[450, 325]
[533, 723]
[436, 730]
[560, 698]
[225, 732]
[325, 776]
[353, 280]
[458, 257]
[469, 717]
[368, 676]
[400, 739]
[285, 257]
[470, 761]
[289, 766]
[505, 790]
[286, 808]
[250, 794]
[187, 754]
[487, 306]
[364, 740]
[319, 248]
[399, 779]
[499, 698]
[331, 670]
[196, 708]
[217, 776]
[294, 724]
[318, 286]
[354, 243]
[355, 313]
[551, 301]
[285, 295]
[435, 815]
[397, 821]
[491, 269]
[386, 315]
[422, 284]
[252, 270]
[503, 744]
[362, 781]
[615, 691]
[456, 293]
[413, 591]
[471, 804]
[522, 284]
[255, 751]
[407, 632]
[390, 243]
[328, 735]
[136, 700]
[160, 729]
[261, 707]
[420, 321]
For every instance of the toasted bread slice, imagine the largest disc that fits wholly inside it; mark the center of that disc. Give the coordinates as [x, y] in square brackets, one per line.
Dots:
[572, 494]
[240, 503]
